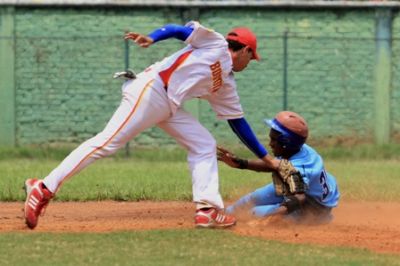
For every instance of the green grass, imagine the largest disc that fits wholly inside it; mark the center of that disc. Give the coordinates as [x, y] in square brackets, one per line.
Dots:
[138, 178]
[173, 247]
[164, 175]
[107, 179]
[59, 152]
[367, 180]
[362, 151]
[174, 153]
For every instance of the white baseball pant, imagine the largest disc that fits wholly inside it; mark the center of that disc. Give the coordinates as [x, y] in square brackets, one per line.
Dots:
[145, 104]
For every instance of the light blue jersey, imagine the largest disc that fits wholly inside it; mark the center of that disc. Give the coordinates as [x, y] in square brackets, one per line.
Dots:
[321, 185]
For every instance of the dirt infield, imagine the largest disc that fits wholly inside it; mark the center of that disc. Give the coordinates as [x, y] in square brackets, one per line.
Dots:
[374, 226]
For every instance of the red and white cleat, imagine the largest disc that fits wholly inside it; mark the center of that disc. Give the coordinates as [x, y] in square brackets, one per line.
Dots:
[212, 218]
[37, 198]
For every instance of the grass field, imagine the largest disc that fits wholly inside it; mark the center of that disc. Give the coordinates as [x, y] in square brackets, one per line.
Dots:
[172, 247]
[155, 175]
[129, 179]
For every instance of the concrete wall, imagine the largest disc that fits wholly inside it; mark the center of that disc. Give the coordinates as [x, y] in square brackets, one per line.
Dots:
[64, 59]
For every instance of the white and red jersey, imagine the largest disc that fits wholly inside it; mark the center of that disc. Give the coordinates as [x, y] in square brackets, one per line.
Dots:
[203, 69]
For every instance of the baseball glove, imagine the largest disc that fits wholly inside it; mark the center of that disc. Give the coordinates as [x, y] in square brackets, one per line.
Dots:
[281, 188]
[127, 74]
[288, 180]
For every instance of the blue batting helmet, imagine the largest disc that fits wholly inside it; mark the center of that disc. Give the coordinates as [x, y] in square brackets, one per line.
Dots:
[293, 129]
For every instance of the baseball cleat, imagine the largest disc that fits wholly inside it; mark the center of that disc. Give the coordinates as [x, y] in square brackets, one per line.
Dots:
[213, 218]
[37, 198]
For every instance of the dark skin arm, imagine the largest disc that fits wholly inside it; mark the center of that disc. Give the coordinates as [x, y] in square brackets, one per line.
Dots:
[270, 162]
[230, 159]
[257, 165]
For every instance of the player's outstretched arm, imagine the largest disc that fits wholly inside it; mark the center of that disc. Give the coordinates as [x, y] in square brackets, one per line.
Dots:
[271, 162]
[142, 40]
[234, 161]
[168, 31]
[231, 159]
[243, 130]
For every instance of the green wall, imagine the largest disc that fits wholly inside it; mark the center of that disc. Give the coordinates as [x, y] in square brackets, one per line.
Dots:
[395, 95]
[65, 61]
[7, 82]
[65, 57]
[330, 68]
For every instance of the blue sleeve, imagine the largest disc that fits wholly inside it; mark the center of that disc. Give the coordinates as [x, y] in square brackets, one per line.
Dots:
[246, 135]
[169, 31]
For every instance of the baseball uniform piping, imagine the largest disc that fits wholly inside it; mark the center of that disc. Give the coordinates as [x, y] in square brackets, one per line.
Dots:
[116, 132]
[166, 74]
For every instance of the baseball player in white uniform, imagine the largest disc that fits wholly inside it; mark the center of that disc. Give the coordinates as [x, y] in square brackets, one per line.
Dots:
[203, 69]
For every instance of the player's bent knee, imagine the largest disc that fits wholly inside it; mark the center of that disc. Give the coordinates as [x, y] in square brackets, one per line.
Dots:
[208, 147]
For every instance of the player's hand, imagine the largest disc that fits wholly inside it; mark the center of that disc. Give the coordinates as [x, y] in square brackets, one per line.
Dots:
[227, 157]
[142, 40]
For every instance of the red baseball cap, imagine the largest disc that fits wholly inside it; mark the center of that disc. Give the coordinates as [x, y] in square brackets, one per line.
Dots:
[244, 36]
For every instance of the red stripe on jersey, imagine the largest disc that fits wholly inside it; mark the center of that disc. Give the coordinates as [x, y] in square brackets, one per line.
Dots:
[166, 74]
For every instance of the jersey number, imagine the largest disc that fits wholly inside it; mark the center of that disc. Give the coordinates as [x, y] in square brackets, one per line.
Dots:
[322, 181]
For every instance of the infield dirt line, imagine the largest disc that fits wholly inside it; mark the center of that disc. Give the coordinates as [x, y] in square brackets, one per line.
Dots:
[371, 225]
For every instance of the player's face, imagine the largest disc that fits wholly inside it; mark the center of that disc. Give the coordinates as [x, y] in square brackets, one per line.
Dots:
[241, 59]
[277, 149]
